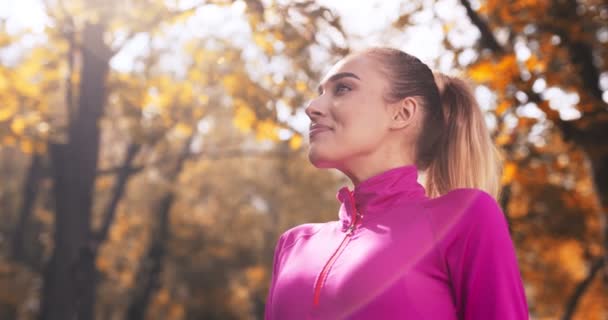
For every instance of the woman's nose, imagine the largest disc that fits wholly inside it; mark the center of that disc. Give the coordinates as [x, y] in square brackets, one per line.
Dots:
[313, 109]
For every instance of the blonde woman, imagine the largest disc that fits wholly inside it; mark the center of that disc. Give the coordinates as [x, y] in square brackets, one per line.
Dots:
[400, 249]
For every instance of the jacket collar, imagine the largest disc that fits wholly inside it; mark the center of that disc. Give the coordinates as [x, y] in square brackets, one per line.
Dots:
[380, 192]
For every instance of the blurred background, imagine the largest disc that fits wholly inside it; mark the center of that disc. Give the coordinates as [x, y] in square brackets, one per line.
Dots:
[152, 151]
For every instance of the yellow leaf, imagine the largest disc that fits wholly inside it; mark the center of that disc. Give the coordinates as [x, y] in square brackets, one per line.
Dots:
[31, 67]
[183, 129]
[6, 111]
[18, 126]
[244, 117]
[126, 279]
[482, 72]
[263, 42]
[502, 107]
[163, 296]
[5, 39]
[534, 64]
[26, 146]
[508, 173]
[3, 83]
[25, 88]
[267, 130]
[447, 27]
[176, 311]
[230, 82]
[301, 86]
[44, 216]
[503, 139]
[295, 142]
[499, 74]
[255, 274]
[9, 140]
[102, 264]
[483, 8]
[40, 147]
[571, 259]
[103, 183]
[186, 94]
[198, 112]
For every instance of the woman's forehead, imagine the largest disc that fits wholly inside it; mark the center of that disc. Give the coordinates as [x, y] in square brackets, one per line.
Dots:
[360, 65]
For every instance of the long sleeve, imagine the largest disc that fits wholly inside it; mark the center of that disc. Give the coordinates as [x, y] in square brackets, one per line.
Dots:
[482, 264]
[275, 271]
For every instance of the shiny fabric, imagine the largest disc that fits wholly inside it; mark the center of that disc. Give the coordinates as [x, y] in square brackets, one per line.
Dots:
[409, 257]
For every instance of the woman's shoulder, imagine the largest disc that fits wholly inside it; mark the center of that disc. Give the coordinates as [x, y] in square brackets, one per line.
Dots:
[464, 208]
[304, 230]
[463, 198]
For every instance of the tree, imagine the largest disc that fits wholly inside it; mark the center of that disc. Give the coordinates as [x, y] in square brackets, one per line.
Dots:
[555, 173]
[142, 113]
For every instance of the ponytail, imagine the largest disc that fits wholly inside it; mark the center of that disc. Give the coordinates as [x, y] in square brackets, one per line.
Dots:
[466, 156]
[455, 149]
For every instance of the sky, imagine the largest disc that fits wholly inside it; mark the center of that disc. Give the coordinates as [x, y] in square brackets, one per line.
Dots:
[23, 14]
[365, 21]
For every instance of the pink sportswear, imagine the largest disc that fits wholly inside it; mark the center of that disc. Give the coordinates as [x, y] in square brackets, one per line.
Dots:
[394, 253]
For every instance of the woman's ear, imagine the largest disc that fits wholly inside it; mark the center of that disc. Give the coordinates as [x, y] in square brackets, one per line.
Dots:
[403, 112]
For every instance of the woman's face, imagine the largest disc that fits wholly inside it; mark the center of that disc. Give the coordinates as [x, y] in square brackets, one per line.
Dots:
[349, 118]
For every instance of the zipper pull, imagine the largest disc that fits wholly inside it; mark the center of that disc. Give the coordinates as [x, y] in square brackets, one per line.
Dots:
[350, 230]
[352, 227]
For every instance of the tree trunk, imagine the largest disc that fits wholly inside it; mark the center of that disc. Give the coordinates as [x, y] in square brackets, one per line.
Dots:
[148, 276]
[30, 193]
[151, 266]
[69, 279]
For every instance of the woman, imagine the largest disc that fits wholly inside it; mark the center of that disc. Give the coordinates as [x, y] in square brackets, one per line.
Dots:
[400, 249]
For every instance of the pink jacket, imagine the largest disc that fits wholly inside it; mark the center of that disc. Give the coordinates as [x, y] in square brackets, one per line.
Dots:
[394, 253]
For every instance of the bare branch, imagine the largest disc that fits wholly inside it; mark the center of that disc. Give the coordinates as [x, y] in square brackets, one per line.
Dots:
[124, 172]
[151, 24]
[580, 289]
[487, 37]
[221, 155]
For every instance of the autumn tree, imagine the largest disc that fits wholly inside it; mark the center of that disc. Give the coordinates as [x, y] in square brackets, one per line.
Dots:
[107, 127]
[535, 56]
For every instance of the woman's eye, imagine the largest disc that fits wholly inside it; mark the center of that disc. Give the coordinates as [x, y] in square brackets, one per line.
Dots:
[340, 88]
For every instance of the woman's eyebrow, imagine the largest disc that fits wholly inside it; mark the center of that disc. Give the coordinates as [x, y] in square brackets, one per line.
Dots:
[338, 76]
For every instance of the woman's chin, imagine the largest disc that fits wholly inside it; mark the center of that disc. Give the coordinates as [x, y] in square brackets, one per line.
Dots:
[318, 159]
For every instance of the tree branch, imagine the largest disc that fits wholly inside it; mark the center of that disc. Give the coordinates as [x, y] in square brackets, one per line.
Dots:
[201, 155]
[152, 23]
[487, 37]
[124, 172]
[30, 190]
[580, 289]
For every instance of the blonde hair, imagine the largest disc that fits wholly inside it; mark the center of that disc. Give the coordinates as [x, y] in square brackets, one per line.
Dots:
[469, 157]
[456, 150]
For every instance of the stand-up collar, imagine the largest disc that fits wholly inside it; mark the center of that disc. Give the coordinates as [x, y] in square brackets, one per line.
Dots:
[380, 192]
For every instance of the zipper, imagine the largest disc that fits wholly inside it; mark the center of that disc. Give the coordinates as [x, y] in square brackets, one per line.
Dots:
[334, 256]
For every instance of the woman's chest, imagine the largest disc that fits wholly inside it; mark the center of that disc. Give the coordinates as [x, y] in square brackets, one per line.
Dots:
[377, 271]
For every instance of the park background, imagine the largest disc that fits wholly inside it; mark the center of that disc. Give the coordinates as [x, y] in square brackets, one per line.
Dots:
[152, 151]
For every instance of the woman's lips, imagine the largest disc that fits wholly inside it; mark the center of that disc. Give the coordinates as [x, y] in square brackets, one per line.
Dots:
[317, 130]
